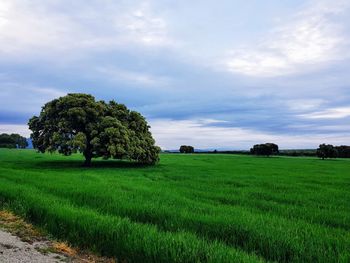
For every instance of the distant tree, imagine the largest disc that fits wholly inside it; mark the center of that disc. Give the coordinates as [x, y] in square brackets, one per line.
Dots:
[343, 151]
[326, 151]
[79, 123]
[274, 147]
[12, 141]
[6, 141]
[183, 148]
[266, 149]
[21, 142]
[186, 149]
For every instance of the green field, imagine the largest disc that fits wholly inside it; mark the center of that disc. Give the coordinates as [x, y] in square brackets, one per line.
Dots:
[188, 208]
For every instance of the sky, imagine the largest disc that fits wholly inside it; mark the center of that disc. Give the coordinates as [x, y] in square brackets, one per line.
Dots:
[222, 74]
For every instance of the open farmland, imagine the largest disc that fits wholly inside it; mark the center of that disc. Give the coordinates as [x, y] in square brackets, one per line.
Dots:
[188, 208]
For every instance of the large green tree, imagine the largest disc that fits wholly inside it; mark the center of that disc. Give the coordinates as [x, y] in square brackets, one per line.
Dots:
[79, 123]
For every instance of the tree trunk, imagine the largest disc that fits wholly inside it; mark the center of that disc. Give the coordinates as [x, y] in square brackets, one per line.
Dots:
[88, 155]
[87, 162]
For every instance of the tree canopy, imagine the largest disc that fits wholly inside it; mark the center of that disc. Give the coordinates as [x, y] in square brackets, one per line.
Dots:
[79, 123]
[343, 151]
[266, 149]
[12, 141]
[186, 149]
[326, 151]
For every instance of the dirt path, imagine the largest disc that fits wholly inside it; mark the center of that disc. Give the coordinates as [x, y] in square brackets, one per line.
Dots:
[21, 242]
[13, 250]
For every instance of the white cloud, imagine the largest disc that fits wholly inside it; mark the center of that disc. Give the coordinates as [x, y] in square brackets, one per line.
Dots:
[12, 128]
[304, 104]
[132, 77]
[4, 8]
[333, 113]
[312, 38]
[40, 27]
[29, 29]
[170, 134]
[320, 127]
[141, 26]
[26, 99]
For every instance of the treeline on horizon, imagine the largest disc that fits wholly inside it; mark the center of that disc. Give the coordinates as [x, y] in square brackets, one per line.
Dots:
[13, 140]
[342, 151]
[297, 152]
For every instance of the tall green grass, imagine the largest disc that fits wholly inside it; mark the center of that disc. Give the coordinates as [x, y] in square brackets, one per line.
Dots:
[193, 208]
[112, 235]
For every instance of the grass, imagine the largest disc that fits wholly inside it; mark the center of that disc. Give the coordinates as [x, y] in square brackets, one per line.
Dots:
[189, 208]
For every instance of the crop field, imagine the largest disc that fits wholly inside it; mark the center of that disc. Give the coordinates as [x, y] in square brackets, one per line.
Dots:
[188, 208]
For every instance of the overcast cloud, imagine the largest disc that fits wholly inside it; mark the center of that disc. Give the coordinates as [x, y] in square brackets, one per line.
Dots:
[215, 74]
